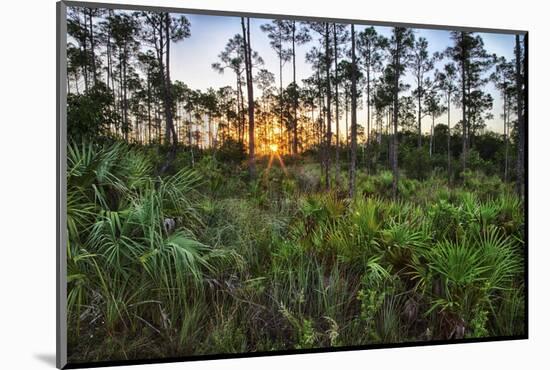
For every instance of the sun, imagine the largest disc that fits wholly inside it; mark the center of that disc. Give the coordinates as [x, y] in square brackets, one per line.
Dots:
[273, 147]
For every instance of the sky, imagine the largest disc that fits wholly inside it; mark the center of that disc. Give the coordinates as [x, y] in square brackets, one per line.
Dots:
[192, 58]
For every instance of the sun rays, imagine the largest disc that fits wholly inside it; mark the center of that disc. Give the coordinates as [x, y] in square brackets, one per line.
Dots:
[274, 153]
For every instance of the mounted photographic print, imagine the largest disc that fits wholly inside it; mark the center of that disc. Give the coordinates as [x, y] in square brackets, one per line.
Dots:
[238, 184]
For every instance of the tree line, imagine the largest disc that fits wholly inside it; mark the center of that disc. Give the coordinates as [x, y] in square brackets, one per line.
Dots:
[119, 85]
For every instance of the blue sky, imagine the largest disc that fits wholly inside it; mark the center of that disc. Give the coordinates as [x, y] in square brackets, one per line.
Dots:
[192, 58]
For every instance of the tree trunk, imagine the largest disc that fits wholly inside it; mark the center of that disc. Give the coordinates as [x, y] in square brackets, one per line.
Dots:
[281, 123]
[329, 102]
[250, 91]
[167, 132]
[521, 119]
[449, 136]
[432, 136]
[368, 116]
[92, 46]
[505, 118]
[239, 94]
[389, 138]
[125, 96]
[190, 139]
[295, 100]
[241, 112]
[313, 124]
[157, 122]
[395, 118]
[169, 117]
[419, 84]
[337, 113]
[353, 159]
[149, 107]
[469, 109]
[110, 73]
[209, 116]
[84, 47]
[464, 118]
[347, 128]
[321, 125]
[173, 139]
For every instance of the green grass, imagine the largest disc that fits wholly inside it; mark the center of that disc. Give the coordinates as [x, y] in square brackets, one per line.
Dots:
[277, 263]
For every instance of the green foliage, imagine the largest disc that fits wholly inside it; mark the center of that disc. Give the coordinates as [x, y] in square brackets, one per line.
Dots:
[376, 286]
[484, 186]
[274, 264]
[417, 163]
[306, 337]
[125, 267]
[463, 279]
[509, 306]
[379, 185]
[231, 151]
[89, 114]
[477, 163]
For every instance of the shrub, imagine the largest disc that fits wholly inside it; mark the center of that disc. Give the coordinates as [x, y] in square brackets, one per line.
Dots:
[463, 278]
[417, 163]
[231, 151]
